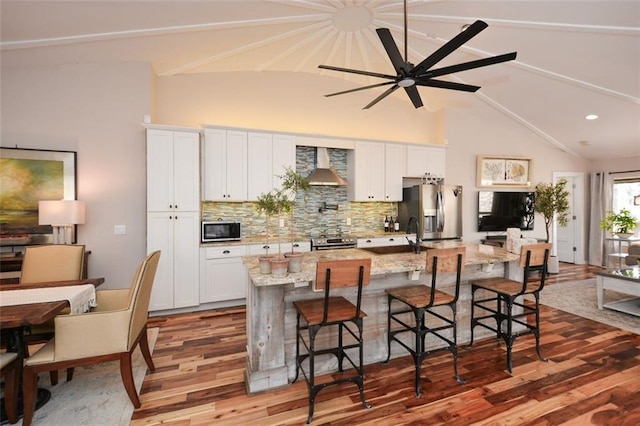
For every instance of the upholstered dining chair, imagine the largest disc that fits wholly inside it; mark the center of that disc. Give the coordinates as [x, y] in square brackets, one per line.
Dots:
[51, 262]
[110, 332]
[10, 370]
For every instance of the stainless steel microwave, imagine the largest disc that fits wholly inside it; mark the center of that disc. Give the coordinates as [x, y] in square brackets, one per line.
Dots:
[220, 230]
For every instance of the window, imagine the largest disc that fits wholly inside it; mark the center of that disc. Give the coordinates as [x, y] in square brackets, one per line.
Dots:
[625, 191]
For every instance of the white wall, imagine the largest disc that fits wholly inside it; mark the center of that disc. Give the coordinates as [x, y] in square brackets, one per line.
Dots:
[96, 110]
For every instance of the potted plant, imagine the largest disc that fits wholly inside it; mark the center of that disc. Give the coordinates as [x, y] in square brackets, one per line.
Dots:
[266, 204]
[621, 224]
[282, 205]
[552, 200]
[292, 184]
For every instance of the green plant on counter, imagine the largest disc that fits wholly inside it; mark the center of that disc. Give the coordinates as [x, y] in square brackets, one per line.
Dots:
[619, 223]
[553, 200]
[292, 183]
[273, 203]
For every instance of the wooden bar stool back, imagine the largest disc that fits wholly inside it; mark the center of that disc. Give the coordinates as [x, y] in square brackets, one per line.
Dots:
[315, 314]
[498, 306]
[420, 302]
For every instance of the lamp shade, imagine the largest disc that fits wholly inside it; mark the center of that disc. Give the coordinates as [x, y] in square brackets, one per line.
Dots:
[61, 212]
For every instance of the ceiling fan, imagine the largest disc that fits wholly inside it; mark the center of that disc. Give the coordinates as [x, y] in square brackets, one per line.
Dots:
[409, 76]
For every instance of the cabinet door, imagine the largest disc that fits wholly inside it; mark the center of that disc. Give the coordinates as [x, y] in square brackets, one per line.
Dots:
[214, 165]
[160, 237]
[416, 161]
[236, 166]
[436, 161]
[259, 165]
[284, 156]
[366, 172]
[394, 171]
[185, 259]
[225, 279]
[376, 171]
[186, 171]
[159, 170]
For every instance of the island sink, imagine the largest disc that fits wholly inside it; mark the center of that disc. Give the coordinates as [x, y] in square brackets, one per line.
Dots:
[392, 249]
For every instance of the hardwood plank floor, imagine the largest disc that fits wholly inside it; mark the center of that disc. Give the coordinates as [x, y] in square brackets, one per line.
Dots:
[592, 377]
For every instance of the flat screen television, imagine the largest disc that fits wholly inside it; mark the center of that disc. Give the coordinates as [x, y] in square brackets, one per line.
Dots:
[499, 210]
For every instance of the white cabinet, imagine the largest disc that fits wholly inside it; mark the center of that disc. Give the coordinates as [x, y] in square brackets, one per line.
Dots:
[366, 172]
[390, 240]
[267, 156]
[223, 275]
[394, 170]
[173, 173]
[224, 165]
[425, 159]
[261, 249]
[173, 215]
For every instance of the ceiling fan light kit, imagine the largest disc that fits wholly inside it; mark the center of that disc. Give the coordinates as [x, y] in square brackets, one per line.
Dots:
[409, 76]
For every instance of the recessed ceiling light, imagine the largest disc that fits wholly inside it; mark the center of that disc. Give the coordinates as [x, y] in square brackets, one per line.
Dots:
[590, 117]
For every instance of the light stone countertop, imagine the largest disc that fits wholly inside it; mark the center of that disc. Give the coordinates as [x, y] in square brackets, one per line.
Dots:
[476, 254]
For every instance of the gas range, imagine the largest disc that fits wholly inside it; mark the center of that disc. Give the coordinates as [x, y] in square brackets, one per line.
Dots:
[330, 242]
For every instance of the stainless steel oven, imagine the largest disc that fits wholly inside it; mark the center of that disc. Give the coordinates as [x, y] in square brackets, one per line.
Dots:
[220, 230]
[333, 242]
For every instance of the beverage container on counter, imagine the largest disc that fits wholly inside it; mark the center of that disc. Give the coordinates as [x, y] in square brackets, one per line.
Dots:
[386, 223]
[396, 225]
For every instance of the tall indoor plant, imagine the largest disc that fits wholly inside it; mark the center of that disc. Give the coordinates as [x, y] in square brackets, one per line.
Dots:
[266, 204]
[552, 200]
[282, 206]
[292, 184]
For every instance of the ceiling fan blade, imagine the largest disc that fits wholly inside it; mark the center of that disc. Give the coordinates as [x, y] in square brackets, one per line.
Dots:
[392, 50]
[449, 47]
[367, 73]
[469, 65]
[360, 88]
[447, 85]
[412, 91]
[386, 93]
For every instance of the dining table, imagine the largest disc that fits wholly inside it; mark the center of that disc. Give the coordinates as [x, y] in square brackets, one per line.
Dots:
[26, 305]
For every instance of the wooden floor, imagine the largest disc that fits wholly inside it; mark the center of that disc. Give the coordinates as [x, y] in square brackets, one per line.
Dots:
[592, 377]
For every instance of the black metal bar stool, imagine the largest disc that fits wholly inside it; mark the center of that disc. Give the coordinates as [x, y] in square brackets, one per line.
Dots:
[421, 301]
[503, 293]
[314, 314]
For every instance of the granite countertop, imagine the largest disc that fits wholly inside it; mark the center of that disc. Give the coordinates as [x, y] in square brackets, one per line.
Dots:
[476, 254]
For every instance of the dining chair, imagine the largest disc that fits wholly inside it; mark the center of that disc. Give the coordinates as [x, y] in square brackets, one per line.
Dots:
[313, 315]
[51, 262]
[10, 370]
[493, 301]
[110, 332]
[425, 310]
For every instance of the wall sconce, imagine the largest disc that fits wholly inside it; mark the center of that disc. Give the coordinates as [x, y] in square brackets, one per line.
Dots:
[61, 215]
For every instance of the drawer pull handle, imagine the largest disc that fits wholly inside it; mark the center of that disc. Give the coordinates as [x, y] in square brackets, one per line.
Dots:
[296, 245]
[226, 252]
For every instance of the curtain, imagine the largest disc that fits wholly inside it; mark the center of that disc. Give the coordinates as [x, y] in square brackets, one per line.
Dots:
[600, 191]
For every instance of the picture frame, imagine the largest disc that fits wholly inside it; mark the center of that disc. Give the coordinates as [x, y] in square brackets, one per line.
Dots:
[504, 172]
[28, 176]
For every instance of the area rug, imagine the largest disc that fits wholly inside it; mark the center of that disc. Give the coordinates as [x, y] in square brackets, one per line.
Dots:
[580, 298]
[95, 396]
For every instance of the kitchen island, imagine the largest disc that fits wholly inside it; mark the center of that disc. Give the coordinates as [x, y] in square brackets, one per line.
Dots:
[271, 317]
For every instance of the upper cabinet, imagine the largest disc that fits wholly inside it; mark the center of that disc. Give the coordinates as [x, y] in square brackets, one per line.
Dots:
[267, 157]
[366, 172]
[224, 165]
[394, 166]
[173, 175]
[425, 159]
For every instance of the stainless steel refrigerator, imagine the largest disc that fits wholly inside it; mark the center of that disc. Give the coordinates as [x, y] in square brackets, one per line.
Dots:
[438, 209]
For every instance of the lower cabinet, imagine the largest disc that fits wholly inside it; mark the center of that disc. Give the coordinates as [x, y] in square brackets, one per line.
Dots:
[391, 240]
[223, 276]
[261, 249]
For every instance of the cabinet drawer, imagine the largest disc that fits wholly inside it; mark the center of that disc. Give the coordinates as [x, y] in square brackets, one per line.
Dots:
[224, 252]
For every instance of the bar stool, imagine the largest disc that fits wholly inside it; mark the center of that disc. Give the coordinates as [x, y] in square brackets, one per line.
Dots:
[503, 293]
[314, 314]
[421, 300]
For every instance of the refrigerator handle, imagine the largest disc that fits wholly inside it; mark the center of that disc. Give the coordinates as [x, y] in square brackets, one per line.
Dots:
[440, 212]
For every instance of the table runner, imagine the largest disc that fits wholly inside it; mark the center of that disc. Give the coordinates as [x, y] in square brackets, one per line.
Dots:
[81, 297]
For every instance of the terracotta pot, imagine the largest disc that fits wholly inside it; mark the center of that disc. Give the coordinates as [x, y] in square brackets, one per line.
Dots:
[265, 264]
[295, 261]
[279, 266]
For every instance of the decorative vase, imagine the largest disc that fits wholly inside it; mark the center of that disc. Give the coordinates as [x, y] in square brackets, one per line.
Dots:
[624, 235]
[279, 266]
[295, 261]
[265, 264]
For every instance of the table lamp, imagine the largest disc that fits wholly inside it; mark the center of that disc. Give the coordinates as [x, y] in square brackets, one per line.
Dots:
[61, 215]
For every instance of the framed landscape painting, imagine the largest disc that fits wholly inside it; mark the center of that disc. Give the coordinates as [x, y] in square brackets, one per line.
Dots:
[26, 177]
[511, 172]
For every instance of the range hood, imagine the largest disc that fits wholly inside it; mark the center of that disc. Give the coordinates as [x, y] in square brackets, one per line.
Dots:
[323, 174]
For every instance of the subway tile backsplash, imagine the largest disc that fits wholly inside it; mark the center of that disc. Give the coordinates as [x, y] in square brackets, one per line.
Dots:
[308, 219]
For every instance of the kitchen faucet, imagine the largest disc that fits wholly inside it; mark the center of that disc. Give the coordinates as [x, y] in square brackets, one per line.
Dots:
[416, 245]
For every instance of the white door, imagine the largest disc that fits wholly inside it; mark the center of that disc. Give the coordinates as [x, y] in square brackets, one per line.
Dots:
[569, 240]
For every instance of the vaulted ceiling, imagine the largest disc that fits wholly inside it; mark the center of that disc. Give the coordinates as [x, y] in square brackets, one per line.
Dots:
[574, 57]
